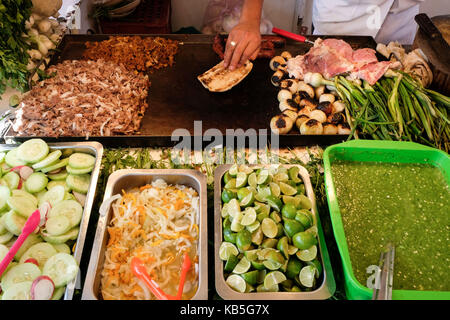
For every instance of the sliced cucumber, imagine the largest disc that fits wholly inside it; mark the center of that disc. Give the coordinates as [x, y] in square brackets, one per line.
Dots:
[71, 235]
[58, 176]
[30, 241]
[5, 193]
[33, 150]
[41, 251]
[58, 225]
[2, 157]
[2, 225]
[79, 183]
[54, 195]
[69, 196]
[40, 194]
[55, 166]
[14, 223]
[36, 182]
[74, 171]
[71, 209]
[3, 251]
[12, 179]
[6, 237]
[20, 273]
[54, 183]
[52, 158]
[62, 248]
[61, 268]
[80, 160]
[58, 293]
[12, 160]
[22, 205]
[18, 291]
[22, 193]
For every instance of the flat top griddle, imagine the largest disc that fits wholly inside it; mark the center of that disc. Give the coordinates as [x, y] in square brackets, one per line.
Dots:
[176, 98]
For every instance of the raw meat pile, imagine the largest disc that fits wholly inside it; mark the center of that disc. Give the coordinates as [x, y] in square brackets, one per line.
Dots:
[331, 57]
[84, 98]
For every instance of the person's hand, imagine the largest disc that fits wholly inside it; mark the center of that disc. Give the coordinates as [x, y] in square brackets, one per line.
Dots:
[243, 43]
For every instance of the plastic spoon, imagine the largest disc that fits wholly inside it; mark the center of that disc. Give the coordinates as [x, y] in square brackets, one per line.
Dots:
[30, 226]
[138, 268]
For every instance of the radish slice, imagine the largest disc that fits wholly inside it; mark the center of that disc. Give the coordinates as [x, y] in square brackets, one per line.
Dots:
[16, 169]
[81, 198]
[42, 288]
[25, 172]
[44, 209]
[32, 260]
[55, 171]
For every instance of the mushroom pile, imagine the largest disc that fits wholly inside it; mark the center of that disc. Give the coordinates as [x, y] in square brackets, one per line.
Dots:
[313, 110]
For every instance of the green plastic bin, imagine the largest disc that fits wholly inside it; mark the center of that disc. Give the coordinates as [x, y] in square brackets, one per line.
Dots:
[383, 151]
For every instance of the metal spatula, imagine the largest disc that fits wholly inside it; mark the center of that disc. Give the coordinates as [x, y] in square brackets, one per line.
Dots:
[384, 290]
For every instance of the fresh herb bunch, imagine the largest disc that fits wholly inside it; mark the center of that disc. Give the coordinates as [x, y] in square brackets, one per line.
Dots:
[13, 49]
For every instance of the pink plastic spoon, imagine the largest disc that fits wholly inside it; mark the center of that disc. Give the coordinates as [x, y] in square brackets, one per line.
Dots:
[30, 226]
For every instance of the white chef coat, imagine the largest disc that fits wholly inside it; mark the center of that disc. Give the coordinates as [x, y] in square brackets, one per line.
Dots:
[384, 20]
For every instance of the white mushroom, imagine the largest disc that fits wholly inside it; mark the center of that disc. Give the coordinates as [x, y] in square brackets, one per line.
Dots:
[288, 105]
[291, 114]
[284, 94]
[286, 55]
[318, 115]
[301, 119]
[329, 128]
[305, 110]
[344, 129]
[327, 97]
[338, 106]
[281, 124]
[311, 127]
[326, 107]
[302, 86]
[276, 61]
[277, 77]
[289, 84]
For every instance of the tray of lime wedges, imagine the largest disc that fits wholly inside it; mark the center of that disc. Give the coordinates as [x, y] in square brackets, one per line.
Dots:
[269, 243]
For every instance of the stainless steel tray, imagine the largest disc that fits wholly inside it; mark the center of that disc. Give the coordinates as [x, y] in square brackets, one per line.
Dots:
[95, 149]
[131, 178]
[328, 285]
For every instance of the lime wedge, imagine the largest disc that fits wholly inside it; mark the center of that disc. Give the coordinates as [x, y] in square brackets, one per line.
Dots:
[272, 265]
[269, 228]
[307, 254]
[275, 216]
[291, 200]
[251, 277]
[304, 240]
[249, 217]
[233, 170]
[273, 278]
[275, 189]
[224, 211]
[274, 202]
[287, 189]
[263, 253]
[253, 180]
[269, 243]
[307, 276]
[226, 250]
[248, 200]
[245, 169]
[231, 184]
[263, 192]
[233, 207]
[313, 230]
[262, 288]
[251, 255]
[292, 250]
[261, 275]
[304, 219]
[283, 246]
[275, 256]
[254, 226]
[293, 268]
[257, 236]
[231, 263]
[293, 174]
[305, 203]
[281, 177]
[236, 283]
[265, 209]
[242, 266]
[258, 265]
[263, 177]
[316, 264]
[236, 225]
[241, 179]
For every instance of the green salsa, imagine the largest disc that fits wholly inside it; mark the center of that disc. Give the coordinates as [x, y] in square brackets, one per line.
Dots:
[407, 205]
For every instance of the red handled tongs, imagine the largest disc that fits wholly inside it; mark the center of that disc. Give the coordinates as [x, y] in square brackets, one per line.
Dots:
[138, 268]
[290, 35]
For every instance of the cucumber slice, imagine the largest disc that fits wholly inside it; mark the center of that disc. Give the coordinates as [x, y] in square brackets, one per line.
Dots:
[55, 166]
[30, 241]
[12, 179]
[63, 183]
[71, 170]
[58, 225]
[4, 238]
[62, 248]
[20, 273]
[18, 291]
[33, 150]
[52, 158]
[22, 205]
[79, 183]
[61, 268]
[80, 160]
[71, 209]
[58, 176]
[69, 196]
[27, 195]
[2, 225]
[12, 160]
[2, 156]
[40, 194]
[58, 293]
[71, 235]
[3, 251]
[14, 223]
[54, 195]
[36, 182]
[40, 251]
[5, 193]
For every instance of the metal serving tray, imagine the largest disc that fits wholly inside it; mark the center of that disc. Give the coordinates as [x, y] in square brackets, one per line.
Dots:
[328, 285]
[131, 178]
[95, 149]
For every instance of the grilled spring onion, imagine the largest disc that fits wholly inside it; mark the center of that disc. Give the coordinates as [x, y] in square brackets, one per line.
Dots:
[397, 107]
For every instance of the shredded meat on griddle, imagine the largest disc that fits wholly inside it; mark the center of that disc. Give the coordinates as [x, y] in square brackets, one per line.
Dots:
[85, 98]
[135, 53]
